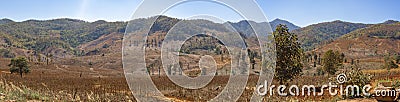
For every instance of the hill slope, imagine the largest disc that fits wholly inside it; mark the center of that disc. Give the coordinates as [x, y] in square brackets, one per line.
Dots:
[317, 34]
[374, 41]
[71, 37]
[55, 36]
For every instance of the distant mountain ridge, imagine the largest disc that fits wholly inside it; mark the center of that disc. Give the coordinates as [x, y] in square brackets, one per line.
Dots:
[5, 21]
[390, 22]
[278, 21]
[70, 36]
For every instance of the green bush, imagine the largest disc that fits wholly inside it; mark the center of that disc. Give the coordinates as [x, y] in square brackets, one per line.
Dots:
[357, 77]
[6, 53]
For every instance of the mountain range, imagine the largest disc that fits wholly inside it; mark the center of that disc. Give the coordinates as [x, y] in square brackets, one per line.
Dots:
[70, 37]
[317, 34]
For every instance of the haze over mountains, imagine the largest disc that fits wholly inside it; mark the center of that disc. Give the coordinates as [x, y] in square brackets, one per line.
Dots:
[71, 37]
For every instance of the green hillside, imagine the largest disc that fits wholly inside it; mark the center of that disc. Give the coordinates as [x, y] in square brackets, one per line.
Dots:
[320, 33]
[66, 34]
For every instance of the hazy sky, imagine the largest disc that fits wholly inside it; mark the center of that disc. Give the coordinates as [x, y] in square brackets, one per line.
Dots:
[299, 12]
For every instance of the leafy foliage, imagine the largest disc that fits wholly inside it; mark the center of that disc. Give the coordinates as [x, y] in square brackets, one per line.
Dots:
[289, 54]
[389, 62]
[357, 77]
[19, 65]
[331, 61]
[397, 59]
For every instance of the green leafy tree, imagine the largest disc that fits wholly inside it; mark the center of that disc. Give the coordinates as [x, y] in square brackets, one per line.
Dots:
[392, 65]
[389, 62]
[357, 77]
[332, 60]
[289, 54]
[48, 58]
[19, 65]
[252, 55]
[397, 58]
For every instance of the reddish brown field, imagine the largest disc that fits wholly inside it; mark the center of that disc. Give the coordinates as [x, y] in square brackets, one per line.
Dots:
[62, 82]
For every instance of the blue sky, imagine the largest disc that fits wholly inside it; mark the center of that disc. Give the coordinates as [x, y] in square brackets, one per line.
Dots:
[299, 12]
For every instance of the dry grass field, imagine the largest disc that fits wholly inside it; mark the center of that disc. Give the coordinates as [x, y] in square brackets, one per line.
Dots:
[82, 82]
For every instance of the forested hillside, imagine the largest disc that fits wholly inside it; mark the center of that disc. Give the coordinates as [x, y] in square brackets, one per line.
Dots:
[72, 37]
[55, 36]
[322, 33]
